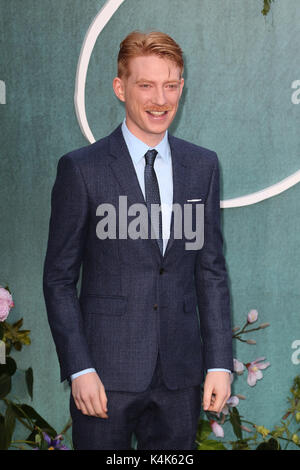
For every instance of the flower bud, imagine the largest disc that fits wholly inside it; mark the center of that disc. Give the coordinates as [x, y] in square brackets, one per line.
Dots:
[251, 341]
[252, 316]
[241, 397]
[238, 366]
[264, 325]
[245, 428]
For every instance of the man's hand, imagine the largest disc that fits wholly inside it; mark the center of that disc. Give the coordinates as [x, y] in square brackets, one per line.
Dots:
[89, 395]
[217, 389]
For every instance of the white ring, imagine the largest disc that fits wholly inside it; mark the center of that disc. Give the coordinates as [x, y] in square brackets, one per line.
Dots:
[97, 25]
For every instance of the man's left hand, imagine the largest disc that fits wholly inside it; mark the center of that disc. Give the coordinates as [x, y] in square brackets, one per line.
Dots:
[217, 389]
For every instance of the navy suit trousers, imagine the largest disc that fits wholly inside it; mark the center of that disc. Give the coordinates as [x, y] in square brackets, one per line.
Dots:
[159, 418]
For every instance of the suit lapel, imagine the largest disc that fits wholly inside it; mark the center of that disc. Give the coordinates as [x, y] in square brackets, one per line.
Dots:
[124, 171]
[179, 169]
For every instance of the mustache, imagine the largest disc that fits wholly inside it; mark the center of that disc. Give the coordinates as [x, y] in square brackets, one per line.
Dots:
[159, 108]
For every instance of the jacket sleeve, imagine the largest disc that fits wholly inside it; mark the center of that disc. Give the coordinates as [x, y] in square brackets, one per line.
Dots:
[212, 285]
[66, 241]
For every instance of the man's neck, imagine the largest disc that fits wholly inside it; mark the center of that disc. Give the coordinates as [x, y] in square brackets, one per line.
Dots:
[149, 139]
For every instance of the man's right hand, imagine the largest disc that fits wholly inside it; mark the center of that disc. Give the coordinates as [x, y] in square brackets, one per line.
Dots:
[89, 395]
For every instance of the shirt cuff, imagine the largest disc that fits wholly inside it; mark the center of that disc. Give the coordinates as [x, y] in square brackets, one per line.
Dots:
[84, 371]
[224, 370]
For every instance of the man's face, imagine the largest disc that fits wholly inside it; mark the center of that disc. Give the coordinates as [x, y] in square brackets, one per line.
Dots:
[151, 95]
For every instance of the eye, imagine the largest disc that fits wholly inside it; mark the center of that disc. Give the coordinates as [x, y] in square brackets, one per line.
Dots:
[172, 86]
[144, 85]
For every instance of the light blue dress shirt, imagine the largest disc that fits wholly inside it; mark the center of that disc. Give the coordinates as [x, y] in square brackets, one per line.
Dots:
[163, 170]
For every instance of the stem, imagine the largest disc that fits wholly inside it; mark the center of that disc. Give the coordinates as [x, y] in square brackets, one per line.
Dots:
[7, 402]
[67, 426]
[23, 442]
[247, 331]
[240, 339]
[244, 327]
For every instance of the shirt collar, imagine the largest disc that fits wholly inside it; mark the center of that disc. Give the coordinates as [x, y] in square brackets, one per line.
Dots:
[137, 148]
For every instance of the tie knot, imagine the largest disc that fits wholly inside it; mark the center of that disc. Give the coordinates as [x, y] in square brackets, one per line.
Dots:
[150, 157]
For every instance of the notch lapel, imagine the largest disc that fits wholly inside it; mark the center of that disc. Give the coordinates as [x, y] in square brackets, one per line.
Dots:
[124, 171]
[179, 169]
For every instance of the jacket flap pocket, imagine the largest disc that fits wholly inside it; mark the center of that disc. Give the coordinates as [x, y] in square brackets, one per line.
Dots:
[105, 304]
[190, 302]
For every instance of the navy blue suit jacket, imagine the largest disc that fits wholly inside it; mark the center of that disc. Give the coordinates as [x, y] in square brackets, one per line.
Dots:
[133, 301]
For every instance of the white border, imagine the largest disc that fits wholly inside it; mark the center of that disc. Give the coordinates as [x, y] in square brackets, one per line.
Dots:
[97, 25]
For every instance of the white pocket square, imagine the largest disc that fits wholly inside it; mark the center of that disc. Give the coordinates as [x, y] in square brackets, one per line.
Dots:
[193, 200]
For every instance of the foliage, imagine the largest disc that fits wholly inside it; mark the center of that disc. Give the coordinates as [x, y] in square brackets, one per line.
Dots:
[40, 434]
[259, 437]
[266, 7]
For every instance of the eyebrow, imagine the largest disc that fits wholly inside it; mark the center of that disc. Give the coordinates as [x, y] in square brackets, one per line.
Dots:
[143, 80]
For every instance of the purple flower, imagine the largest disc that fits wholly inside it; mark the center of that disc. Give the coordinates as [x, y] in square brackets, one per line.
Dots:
[54, 444]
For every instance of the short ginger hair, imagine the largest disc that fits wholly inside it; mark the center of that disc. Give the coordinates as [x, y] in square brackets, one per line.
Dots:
[138, 44]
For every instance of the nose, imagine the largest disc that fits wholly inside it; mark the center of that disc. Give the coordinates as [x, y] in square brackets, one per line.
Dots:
[159, 97]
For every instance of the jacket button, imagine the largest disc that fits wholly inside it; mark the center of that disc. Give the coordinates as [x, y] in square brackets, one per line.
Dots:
[161, 271]
[155, 306]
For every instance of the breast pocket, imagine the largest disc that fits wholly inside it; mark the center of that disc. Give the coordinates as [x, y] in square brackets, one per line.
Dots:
[104, 304]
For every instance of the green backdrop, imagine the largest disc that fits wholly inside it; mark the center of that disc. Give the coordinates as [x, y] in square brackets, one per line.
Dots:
[239, 69]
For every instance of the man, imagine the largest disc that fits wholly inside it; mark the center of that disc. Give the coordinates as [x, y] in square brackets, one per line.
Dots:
[132, 343]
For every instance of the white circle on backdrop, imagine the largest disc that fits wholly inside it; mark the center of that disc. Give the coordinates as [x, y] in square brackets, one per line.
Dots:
[97, 25]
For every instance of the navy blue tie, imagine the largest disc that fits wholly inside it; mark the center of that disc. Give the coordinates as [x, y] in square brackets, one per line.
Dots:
[152, 193]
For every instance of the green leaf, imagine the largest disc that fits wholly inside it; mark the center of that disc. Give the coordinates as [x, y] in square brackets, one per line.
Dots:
[17, 325]
[240, 445]
[211, 444]
[7, 426]
[9, 368]
[2, 433]
[271, 444]
[22, 411]
[29, 381]
[33, 436]
[204, 430]
[5, 385]
[17, 345]
[10, 422]
[236, 423]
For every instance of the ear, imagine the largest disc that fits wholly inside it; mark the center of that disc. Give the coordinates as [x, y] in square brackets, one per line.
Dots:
[119, 88]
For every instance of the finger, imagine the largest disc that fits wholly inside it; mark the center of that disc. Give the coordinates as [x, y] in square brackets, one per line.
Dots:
[219, 403]
[225, 401]
[207, 397]
[81, 407]
[76, 402]
[103, 399]
[89, 407]
[98, 407]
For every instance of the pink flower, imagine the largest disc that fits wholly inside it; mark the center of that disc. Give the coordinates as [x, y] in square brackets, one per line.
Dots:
[252, 316]
[216, 428]
[238, 366]
[232, 402]
[254, 370]
[6, 303]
